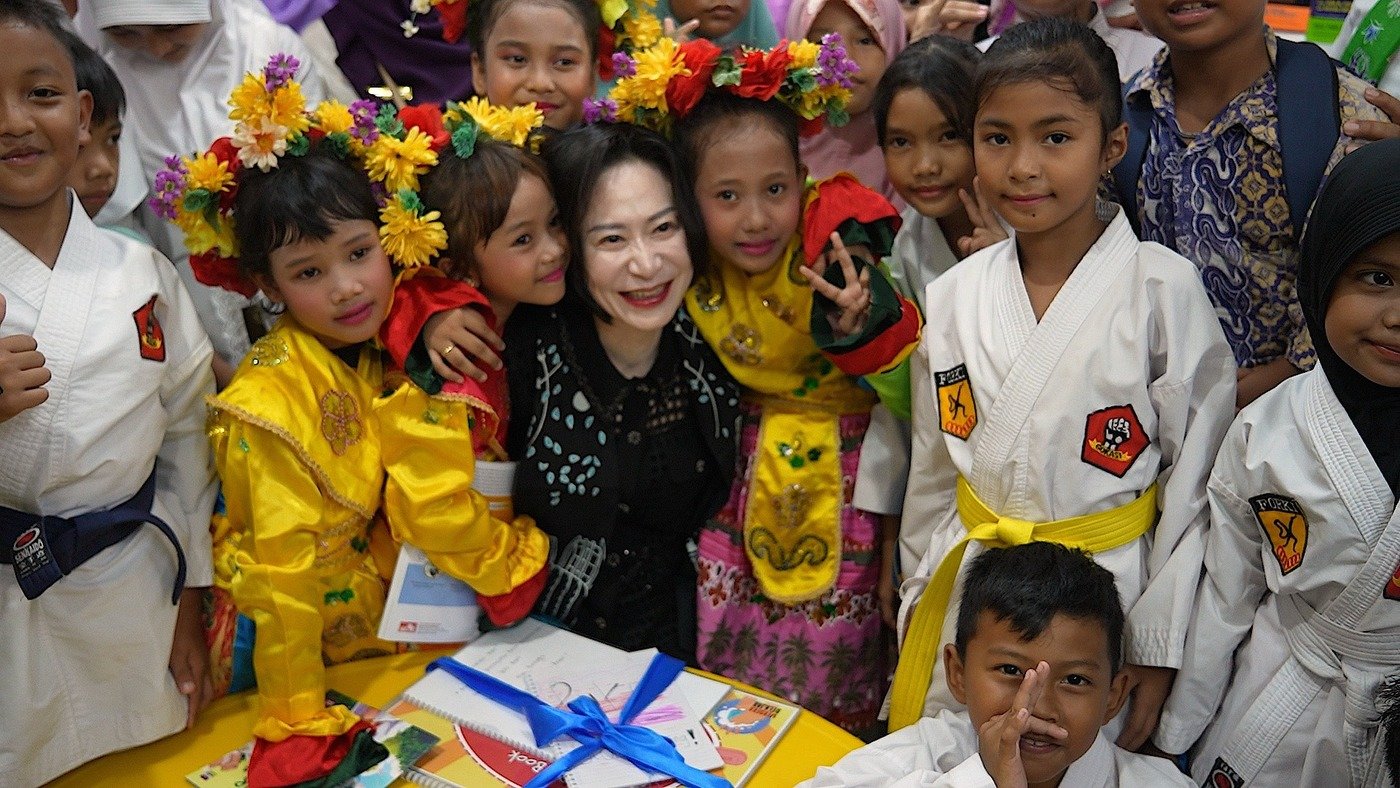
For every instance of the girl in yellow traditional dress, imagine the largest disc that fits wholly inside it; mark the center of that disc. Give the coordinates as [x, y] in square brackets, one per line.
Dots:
[788, 568]
[325, 463]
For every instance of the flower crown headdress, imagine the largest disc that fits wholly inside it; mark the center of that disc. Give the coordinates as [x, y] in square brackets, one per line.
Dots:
[666, 80]
[394, 147]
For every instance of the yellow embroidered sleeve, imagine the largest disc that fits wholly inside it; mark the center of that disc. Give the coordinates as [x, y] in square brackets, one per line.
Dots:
[426, 444]
[274, 498]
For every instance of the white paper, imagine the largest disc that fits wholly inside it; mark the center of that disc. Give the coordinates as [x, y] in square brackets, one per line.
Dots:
[425, 605]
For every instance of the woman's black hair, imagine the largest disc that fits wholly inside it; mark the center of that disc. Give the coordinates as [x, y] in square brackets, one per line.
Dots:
[97, 78]
[1028, 585]
[300, 199]
[720, 112]
[942, 67]
[578, 159]
[1059, 52]
[482, 16]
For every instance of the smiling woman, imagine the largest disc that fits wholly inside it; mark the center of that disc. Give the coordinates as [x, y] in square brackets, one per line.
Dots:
[624, 420]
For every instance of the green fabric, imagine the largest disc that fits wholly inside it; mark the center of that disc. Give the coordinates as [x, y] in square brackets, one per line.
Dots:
[893, 387]
[885, 309]
[364, 753]
[419, 369]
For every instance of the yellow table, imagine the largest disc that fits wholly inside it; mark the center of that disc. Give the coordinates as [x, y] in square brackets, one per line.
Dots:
[226, 725]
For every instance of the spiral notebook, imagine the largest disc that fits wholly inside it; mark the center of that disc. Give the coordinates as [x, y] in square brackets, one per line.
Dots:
[556, 665]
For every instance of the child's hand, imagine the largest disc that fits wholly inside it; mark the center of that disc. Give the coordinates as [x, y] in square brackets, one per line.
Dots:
[852, 301]
[1149, 686]
[458, 340]
[1364, 131]
[679, 33]
[22, 373]
[956, 18]
[1000, 737]
[986, 230]
[189, 655]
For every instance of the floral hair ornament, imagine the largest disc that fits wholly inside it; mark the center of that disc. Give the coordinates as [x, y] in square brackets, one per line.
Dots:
[198, 193]
[666, 81]
[453, 14]
[628, 26]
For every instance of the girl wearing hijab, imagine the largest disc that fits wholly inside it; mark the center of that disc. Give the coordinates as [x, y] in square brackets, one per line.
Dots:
[1303, 555]
[872, 32]
[179, 60]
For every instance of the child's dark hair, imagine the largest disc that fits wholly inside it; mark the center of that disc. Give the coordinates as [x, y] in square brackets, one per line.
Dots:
[944, 68]
[482, 16]
[300, 199]
[1059, 52]
[1030, 584]
[721, 112]
[474, 196]
[577, 161]
[42, 15]
[1388, 703]
[97, 78]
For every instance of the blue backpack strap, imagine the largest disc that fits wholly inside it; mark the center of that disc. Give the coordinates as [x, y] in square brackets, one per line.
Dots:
[1137, 111]
[1309, 123]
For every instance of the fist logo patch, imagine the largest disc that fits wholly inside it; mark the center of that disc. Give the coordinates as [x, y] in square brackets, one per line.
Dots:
[1222, 776]
[1113, 439]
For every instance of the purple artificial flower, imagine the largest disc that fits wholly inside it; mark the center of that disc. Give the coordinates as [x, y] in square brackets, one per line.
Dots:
[363, 112]
[280, 70]
[169, 188]
[834, 66]
[623, 66]
[599, 111]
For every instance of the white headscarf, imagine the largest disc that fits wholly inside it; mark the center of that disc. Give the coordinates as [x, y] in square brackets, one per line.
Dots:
[110, 13]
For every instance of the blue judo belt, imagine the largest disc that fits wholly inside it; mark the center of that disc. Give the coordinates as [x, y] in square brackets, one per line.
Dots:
[44, 549]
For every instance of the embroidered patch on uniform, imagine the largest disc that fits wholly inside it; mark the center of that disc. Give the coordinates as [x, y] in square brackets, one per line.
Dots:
[1392, 589]
[1286, 527]
[957, 409]
[150, 338]
[1222, 776]
[1113, 439]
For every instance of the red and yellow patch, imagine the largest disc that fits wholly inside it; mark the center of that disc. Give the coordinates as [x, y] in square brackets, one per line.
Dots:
[1285, 526]
[957, 410]
[150, 338]
[1392, 589]
[1113, 439]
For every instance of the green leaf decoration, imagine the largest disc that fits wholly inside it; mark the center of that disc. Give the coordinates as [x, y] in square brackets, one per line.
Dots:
[727, 72]
[299, 146]
[410, 200]
[464, 138]
[196, 200]
[837, 116]
[387, 121]
[338, 143]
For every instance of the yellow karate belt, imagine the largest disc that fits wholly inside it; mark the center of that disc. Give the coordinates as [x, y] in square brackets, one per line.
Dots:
[1093, 533]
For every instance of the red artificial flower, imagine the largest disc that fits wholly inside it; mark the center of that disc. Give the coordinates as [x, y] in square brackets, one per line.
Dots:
[762, 74]
[700, 56]
[454, 19]
[427, 118]
[808, 127]
[216, 271]
[224, 151]
[315, 134]
[607, 45]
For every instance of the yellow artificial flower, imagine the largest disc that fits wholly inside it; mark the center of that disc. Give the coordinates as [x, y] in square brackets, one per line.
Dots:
[398, 163]
[201, 236]
[804, 54]
[642, 28]
[249, 99]
[333, 117]
[287, 107]
[409, 239]
[207, 172]
[512, 124]
[656, 66]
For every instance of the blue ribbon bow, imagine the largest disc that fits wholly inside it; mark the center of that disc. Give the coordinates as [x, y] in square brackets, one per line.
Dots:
[588, 725]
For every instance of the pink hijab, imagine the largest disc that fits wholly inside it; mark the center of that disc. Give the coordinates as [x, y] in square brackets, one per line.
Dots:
[853, 147]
